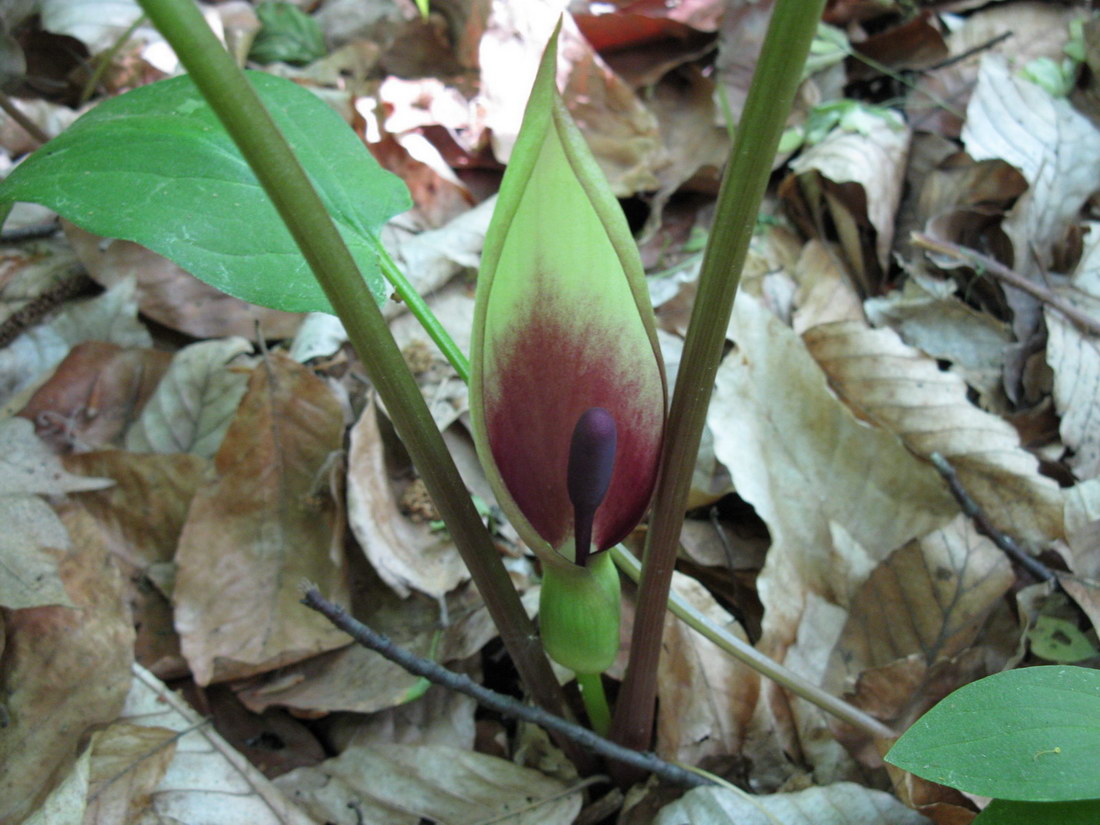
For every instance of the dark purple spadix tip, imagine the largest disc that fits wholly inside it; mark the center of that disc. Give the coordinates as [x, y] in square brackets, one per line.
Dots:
[591, 460]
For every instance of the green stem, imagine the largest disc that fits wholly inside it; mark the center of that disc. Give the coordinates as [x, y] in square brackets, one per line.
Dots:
[423, 313]
[749, 655]
[595, 701]
[233, 99]
[775, 81]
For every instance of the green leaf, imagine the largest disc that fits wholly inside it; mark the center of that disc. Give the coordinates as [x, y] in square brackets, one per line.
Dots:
[1057, 640]
[1030, 735]
[154, 166]
[1004, 812]
[288, 34]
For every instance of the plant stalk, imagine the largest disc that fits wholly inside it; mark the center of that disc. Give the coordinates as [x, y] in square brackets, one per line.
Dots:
[775, 81]
[229, 94]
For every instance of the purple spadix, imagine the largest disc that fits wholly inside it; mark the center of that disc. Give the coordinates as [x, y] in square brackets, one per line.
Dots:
[591, 460]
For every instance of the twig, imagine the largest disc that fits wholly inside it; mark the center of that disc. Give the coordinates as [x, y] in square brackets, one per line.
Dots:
[496, 701]
[1009, 276]
[16, 114]
[970, 507]
[959, 58]
[30, 233]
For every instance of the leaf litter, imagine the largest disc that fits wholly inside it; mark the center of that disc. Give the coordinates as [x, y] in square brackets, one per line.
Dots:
[165, 485]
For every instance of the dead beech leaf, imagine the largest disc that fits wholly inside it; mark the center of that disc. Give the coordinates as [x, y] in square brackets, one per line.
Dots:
[905, 392]
[713, 694]
[128, 761]
[66, 803]
[843, 803]
[194, 402]
[1082, 547]
[390, 784]
[805, 462]
[824, 292]
[94, 394]
[1055, 147]
[171, 295]
[33, 541]
[267, 523]
[207, 780]
[65, 670]
[110, 317]
[929, 598]
[360, 680]
[406, 555]
[1074, 356]
[875, 160]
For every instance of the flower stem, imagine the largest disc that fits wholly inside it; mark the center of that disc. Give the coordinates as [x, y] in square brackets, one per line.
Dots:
[595, 701]
[231, 96]
[777, 76]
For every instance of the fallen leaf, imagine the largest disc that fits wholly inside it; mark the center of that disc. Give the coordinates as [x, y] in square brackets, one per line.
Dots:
[1082, 547]
[905, 392]
[206, 781]
[66, 803]
[195, 401]
[406, 555]
[804, 461]
[825, 292]
[844, 803]
[64, 671]
[713, 694]
[173, 297]
[407, 784]
[128, 761]
[110, 317]
[1074, 356]
[930, 598]
[1056, 149]
[263, 527]
[98, 24]
[94, 395]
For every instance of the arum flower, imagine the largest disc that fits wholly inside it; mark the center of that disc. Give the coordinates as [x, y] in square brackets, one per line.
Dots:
[567, 391]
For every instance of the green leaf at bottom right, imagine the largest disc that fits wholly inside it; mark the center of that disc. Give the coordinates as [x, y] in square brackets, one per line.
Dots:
[1004, 812]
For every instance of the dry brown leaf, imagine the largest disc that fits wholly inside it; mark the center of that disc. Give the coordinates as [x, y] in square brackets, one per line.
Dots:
[805, 462]
[824, 291]
[1074, 356]
[269, 522]
[873, 159]
[1056, 149]
[407, 784]
[405, 554]
[140, 520]
[712, 693]
[929, 597]
[195, 400]
[905, 392]
[360, 680]
[128, 762]
[1082, 547]
[94, 395]
[173, 297]
[64, 671]
[207, 780]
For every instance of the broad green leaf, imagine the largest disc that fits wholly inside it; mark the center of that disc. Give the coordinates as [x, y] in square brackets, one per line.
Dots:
[1003, 812]
[1031, 735]
[288, 34]
[154, 166]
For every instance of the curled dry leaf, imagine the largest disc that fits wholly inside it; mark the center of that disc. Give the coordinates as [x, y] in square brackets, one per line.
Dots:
[194, 402]
[128, 761]
[65, 670]
[903, 391]
[408, 784]
[269, 521]
[804, 462]
[874, 159]
[405, 554]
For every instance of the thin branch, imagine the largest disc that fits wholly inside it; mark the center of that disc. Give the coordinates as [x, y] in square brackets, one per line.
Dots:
[16, 114]
[506, 705]
[970, 507]
[998, 270]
